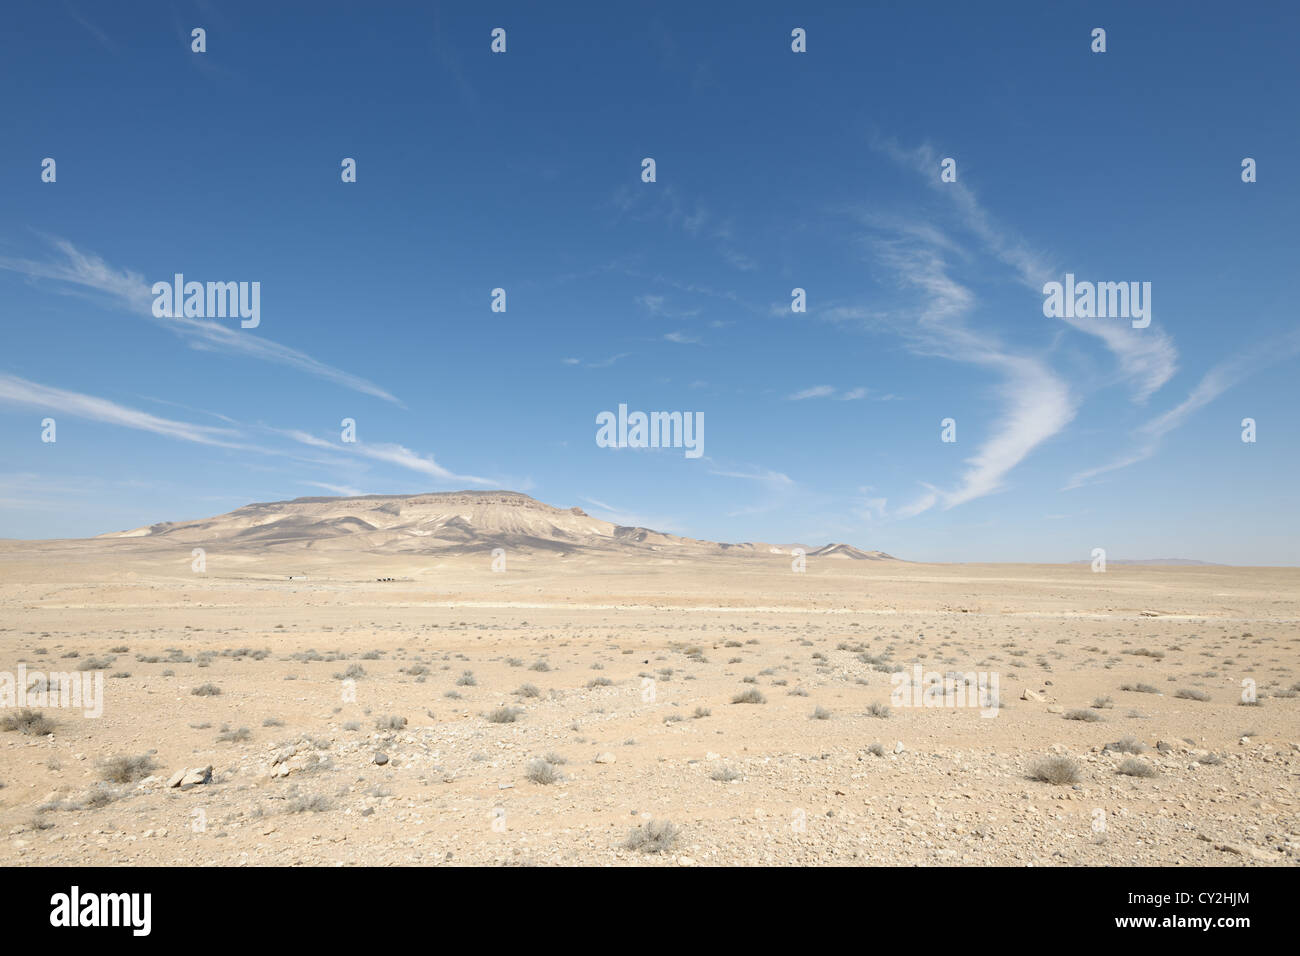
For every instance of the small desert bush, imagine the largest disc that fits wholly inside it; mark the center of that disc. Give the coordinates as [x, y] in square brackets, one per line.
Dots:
[877, 749]
[724, 775]
[314, 803]
[877, 709]
[1132, 767]
[820, 713]
[1129, 745]
[751, 696]
[206, 690]
[504, 715]
[391, 722]
[1057, 770]
[28, 721]
[1090, 716]
[1188, 694]
[127, 769]
[528, 690]
[654, 836]
[701, 712]
[542, 771]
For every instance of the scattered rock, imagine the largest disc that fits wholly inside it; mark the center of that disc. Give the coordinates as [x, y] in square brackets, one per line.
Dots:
[605, 758]
[1241, 849]
[193, 777]
[381, 758]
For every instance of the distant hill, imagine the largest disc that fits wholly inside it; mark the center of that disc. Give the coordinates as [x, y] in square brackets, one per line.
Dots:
[446, 522]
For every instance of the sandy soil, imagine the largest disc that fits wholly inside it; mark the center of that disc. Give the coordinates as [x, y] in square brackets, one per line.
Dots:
[636, 661]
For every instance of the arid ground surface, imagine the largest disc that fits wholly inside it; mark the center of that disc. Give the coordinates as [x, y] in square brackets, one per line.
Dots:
[621, 672]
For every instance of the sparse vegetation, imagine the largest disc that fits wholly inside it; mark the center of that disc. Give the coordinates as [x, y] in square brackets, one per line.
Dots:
[654, 836]
[127, 769]
[1090, 716]
[28, 721]
[1055, 770]
[1133, 767]
[542, 771]
[1128, 745]
[504, 715]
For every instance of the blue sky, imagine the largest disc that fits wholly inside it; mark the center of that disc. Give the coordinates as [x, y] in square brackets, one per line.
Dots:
[774, 170]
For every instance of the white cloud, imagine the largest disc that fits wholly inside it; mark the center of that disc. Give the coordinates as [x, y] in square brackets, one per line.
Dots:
[773, 479]
[817, 391]
[1214, 383]
[1037, 402]
[132, 291]
[344, 490]
[1147, 357]
[57, 401]
[392, 454]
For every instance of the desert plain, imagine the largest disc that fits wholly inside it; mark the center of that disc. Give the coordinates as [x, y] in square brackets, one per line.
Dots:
[436, 680]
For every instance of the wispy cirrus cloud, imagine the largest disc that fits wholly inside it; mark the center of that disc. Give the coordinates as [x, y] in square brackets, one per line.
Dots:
[766, 476]
[130, 290]
[830, 391]
[53, 401]
[392, 454]
[1214, 383]
[816, 391]
[346, 490]
[599, 363]
[1147, 358]
[1037, 402]
[19, 391]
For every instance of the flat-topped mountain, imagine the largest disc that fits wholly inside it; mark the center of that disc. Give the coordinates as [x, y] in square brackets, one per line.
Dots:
[461, 521]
